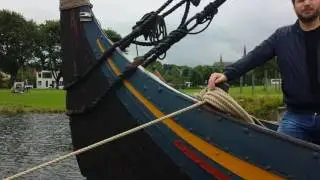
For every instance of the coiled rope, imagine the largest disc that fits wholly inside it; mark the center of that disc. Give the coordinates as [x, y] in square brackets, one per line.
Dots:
[221, 100]
[217, 98]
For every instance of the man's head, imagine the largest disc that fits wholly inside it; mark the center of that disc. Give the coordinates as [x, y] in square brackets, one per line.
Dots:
[307, 10]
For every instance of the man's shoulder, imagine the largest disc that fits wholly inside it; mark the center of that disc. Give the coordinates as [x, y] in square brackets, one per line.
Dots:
[284, 30]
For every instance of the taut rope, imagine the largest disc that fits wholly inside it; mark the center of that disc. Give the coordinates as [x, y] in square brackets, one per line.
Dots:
[217, 97]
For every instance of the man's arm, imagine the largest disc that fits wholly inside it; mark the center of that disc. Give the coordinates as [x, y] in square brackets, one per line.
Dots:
[258, 56]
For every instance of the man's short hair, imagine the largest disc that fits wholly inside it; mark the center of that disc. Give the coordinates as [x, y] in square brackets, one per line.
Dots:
[293, 1]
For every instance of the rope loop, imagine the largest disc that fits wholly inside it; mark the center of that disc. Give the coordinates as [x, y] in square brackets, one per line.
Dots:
[221, 100]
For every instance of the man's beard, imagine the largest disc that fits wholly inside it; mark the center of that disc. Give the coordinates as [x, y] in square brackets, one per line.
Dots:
[309, 19]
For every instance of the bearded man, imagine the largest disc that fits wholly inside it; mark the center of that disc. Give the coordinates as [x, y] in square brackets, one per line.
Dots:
[297, 48]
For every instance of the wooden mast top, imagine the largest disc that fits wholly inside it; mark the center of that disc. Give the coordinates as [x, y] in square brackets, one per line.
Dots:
[69, 4]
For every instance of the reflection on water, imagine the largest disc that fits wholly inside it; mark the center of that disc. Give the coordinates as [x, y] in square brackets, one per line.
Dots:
[29, 140]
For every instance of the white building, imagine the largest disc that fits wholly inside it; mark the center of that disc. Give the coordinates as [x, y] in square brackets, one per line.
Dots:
[187, 84]
[275, 81]
[45, 80]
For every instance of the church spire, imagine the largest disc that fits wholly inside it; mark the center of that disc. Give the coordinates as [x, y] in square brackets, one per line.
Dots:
[244, 50]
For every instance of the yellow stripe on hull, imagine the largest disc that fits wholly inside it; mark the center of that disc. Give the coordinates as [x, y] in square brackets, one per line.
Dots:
[239, 167]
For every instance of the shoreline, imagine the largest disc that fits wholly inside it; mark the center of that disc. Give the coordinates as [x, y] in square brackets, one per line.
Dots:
[29, 110]
[34, 101]
[263, 105]
[268, 114]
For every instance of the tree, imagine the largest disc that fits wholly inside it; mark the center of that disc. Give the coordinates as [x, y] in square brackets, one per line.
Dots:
[156, 66]
[196, 78]
[26, 74]
[186, 71]
[172, 74]
[16, 42]
[205, 73]
[112, 35]
[48, 52]
[1, 80]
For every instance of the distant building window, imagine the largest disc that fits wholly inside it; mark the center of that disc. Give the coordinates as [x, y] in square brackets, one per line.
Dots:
[47, 83]
[39, 75]
[275, 81]
[39, 83]
[47, 75]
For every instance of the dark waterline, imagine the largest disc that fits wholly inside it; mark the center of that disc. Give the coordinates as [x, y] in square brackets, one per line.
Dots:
[32, 139]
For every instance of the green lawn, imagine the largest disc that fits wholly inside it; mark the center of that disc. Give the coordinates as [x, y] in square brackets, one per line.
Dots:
[32, 101]
[246, 91]
[53, 101]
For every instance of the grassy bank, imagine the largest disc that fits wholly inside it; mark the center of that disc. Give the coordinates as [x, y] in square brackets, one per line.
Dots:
[40, 101]
[53, 101]
[246, 91]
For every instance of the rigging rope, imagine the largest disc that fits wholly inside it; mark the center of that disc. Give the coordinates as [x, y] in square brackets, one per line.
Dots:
[158, 32]
[183, 30]
[154, 21]
[185, 15]
[218, 98]
[175, 36]
[122, 44]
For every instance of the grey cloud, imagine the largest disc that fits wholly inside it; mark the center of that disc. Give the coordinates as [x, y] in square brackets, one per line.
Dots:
[238, 23]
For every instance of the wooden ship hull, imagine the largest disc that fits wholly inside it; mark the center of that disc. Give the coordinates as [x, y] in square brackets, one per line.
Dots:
[199, 144]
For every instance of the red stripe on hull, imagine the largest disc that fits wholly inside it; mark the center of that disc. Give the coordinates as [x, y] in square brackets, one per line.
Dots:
[202, 163]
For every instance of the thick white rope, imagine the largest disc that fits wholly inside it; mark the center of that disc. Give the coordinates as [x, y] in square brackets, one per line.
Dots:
[224, 102]
[217, 97]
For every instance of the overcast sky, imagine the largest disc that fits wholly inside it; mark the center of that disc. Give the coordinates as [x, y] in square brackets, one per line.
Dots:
[238, 23]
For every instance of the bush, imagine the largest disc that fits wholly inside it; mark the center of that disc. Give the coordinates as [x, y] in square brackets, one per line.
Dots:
[260, 106]
[4, 80]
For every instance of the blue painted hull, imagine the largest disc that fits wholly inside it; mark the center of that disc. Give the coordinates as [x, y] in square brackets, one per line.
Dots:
[200, 144]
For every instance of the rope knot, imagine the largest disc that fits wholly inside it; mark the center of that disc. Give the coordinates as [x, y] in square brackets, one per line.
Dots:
[221, 100]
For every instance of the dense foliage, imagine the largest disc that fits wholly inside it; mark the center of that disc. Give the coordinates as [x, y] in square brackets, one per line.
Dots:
[27, 47]
[178, 76]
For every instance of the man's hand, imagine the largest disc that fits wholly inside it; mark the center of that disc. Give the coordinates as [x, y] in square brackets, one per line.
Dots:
[216, 78]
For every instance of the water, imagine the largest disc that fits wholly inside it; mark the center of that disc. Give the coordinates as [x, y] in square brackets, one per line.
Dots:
[29, 140]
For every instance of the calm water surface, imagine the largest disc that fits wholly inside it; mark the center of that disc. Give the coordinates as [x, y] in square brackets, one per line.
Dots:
[29, 140]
